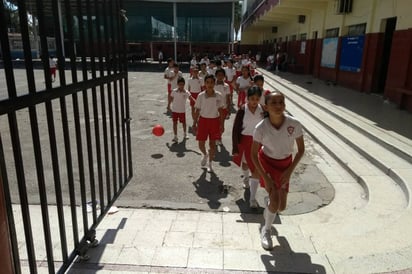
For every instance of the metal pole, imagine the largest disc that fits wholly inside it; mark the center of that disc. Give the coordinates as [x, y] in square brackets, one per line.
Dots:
[175, 28]
[59, 8]
[232, 33]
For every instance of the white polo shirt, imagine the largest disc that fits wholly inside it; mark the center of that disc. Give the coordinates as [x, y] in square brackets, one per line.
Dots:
[224, 90]
[195, 84]
[230, 73]
[174, 81]
[243, 83]
[179, 100]
[278, 143]
[209, 105]
[250, 120]
[169, 72]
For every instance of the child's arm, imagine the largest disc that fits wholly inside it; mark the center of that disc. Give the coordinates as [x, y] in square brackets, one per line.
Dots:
[301, 150]
[196, 117]
[169, 101]
[237, 130]
[222, 120]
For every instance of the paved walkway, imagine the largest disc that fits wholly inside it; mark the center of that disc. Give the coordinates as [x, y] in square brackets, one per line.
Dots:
[362, 154]
[361, 231]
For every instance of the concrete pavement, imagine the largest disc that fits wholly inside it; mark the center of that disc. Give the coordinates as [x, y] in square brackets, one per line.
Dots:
[360, 225]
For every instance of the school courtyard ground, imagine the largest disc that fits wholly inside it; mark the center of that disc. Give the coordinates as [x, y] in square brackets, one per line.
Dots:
[349, 208]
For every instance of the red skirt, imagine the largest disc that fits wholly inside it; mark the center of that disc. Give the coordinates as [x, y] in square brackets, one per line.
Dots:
[275, 168]
[245, 148]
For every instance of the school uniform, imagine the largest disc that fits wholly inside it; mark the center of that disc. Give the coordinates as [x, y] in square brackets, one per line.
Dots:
[242, 134]
[179, 104]
[275, 155]
[195, 87]
[209, 119]
[244, 84]
[225, 91]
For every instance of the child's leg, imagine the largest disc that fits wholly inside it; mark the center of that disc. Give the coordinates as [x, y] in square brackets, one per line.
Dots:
[202, 147]
[175, 128]
[212, 150]
[254, 184]
[184, 128]
[283, 196]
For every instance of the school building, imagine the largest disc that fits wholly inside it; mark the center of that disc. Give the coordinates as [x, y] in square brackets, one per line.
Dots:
[179, 28]
[361, 44]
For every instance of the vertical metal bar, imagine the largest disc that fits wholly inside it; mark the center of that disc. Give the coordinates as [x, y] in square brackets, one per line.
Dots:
[9, 210]
[96, 118]
[52, 139]
[116, 39]
[95, 110]
[103, 104]
[66, 134]
[77, 121]
[123, 67]
[14, 133]
[56, 172]
[113, 63]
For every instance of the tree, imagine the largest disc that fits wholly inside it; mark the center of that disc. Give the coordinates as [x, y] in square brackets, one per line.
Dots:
[13, 21]
[237, 17]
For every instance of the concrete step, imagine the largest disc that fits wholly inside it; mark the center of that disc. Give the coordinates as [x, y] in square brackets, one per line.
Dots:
[382, 157]
[397, 143]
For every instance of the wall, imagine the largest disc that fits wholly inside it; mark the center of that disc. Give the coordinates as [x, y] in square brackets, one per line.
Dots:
[373, 13]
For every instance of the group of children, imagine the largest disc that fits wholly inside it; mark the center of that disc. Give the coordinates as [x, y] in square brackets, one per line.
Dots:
[263, 135]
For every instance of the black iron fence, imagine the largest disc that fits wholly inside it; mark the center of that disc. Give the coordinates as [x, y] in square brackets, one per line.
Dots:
[65, 152]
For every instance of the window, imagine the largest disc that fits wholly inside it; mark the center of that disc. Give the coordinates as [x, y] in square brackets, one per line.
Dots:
[357, 30]
[303, 37]
[293, 37]
[332, 33]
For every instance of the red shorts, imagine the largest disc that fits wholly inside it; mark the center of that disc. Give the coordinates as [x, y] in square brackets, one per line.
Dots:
[179, 116]
[245, 148]
[230, 87]
[194, 95]
[238, 73]
[275, 168]
[208, 128]
[169, 89]
[53, 71]
[241, 98]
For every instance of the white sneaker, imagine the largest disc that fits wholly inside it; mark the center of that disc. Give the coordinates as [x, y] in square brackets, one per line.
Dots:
[246, 182]
[175, 140]
[204, 160]
[254, 204]
[266, 239]
[209, 168]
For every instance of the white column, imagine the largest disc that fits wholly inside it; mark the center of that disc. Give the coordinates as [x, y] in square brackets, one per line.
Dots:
[175, 29]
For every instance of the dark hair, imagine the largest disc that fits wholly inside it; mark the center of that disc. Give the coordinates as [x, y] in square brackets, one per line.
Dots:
[220, 71]
[169, 60]
[180, 80]
[210, 76]
[254, 90]
[176, 65]
[258, 77]
[269, 95]
[218, 62]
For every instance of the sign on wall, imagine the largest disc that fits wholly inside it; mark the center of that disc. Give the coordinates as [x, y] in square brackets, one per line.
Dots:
[351, 53]
[329, 49]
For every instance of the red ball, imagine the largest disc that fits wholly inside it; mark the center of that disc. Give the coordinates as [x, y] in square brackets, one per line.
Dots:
[158, 130]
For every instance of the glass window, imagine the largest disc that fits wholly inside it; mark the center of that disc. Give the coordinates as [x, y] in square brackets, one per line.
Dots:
[332, 33]
[356, 30]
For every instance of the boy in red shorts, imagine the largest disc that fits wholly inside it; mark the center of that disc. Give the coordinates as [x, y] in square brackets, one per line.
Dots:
[178, 99]
[209, 120]
[272, 149]
[195, 86]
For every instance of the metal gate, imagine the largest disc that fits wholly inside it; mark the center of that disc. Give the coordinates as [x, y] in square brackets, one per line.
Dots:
[65, 152]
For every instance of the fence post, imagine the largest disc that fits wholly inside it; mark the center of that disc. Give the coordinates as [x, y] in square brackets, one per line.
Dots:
[6, 254]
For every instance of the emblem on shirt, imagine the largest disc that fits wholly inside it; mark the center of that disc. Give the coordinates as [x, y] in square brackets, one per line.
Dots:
[291, 130]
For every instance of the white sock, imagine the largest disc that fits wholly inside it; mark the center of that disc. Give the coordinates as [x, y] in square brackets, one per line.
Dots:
[254, 183]
[245, 173]
[269, 218]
